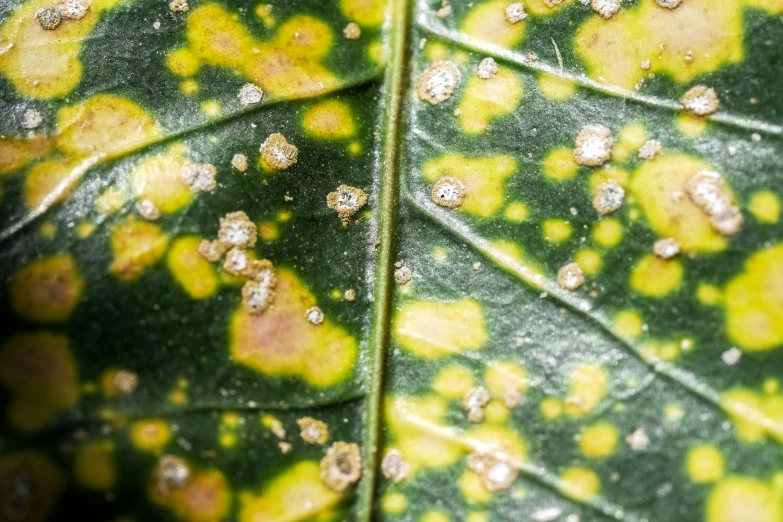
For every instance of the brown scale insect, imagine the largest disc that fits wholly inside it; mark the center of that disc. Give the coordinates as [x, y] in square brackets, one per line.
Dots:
[342, 466]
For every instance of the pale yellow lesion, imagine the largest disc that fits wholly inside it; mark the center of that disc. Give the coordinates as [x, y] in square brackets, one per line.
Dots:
[46, 289]
[482, 177]
[94, 465]
[559, 164]
[205, 498]
[282, 342]
[329, 120]
[613, 50]
[754, 414]
[656, 277]
[555, 88]
[59, 50]
[40, 372]
[150, 435]
[190, 269]
[487, 22]
[588, 385]
[136, 245]
[486, 100]
[157, 179]
[579, 483]
[452, 382]
[288, 66]
[739, 499]
[431, 329]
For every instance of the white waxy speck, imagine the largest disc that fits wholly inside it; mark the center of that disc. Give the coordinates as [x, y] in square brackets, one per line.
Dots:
[474, 401]
[515, 12]
[650, 149]
[74, 9]
[239, 162]
[236, 229]
[701, 100]
[731, 356]
[606, 8]
[394, 466]
[199, 177]
[32, 119]
[668, 4]
[645, 64]
[487, 69]
[438, 81]
[570, 277]
[593, 145]
[666, 248]
[638, 440]
[148, 210]
[448, 192]
[314, 315]
[609, 197]
[250, 94]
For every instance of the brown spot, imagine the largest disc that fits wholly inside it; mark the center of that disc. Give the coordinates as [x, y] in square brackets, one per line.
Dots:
[212, 250]
[701, 100]
[172, 473]
[593, 146]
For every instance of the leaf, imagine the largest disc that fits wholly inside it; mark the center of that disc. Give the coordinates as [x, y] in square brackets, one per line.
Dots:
[137, 386]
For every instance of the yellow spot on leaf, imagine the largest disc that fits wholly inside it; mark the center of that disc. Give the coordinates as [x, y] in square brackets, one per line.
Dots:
[205, 499]
[210, 107]
[472, 489]
[52, 181]
[628, 324]
[329, 120]
[556, 230]
[554, 87]
[559, 164]
[487, 22]
[598, 441]
[41, 63]
[190, 269]
[16, 153]
[268, 231]
[690, 125]
[632, 137]
[394, 503]
[742, 499]
[136, 245]
[587, 388]
[589, 261]
[41, 482]
[551, 408]
[516, 212]
[434, 516]
[579, 483]
[94, 465]
[709, 295]
[452, 382]
[506, 379]
[188, 87]
[482, 177]
[486, 100]
[754, 302]
[282, 342]
[432, 330]
[608, 232]
[656, 277]
[47, 289]
[705, 464]
[658, 186]
[158, 179]
[765, 206]
[183, 62]
[296, 494]
[150, 435]
[368, 13]
[39, 370]
[288, 66]
[48, 229]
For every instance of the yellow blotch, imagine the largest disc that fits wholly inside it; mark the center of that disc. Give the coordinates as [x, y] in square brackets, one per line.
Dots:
[452, 382]
[282, 342]
[94, 466]
[658, 186]
[136, 245]
[364, 12]
[227, 440]
[48, 229]
[434, 516]
[41, 63]
[188, 87]
[544, 7]
[660, 352]
[497, 440]
[709, 295]
[632, 136]
[628, 324]
[32, 480]
[579, 483]
[394, 503]
[47, 289]
[268, 230]
[486, 100]
[754, 302]
[691, 126]
[506, 379]
[190, 269]
[183, 62]
[482, 177]
[40, 372]
[589, 261]
[104, 126]
[206, 498]
[416, 424]
[673, 412]
[296, 494]
[431, 330]
[150, 435]
[496, 412]
[436, 51]
[705, 464]
[551, 408]
[608, 232]
[742, 499]
[52, 181]
[264, 12]
[355, 148]
[613, 52]
[157, 179]
[472, 489]
[284, 216]
[210, 107]
[329, 120]
[771, 385]
[554, 87]
[598, 441]
[559, 164]
[587, 388]
[16, 153]
[84, 229]
[477, 517]
[487, 22]
[556, 230]
[439, 254]
[765, 206]
[656, 277]
[516, 212]
[288, 66]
